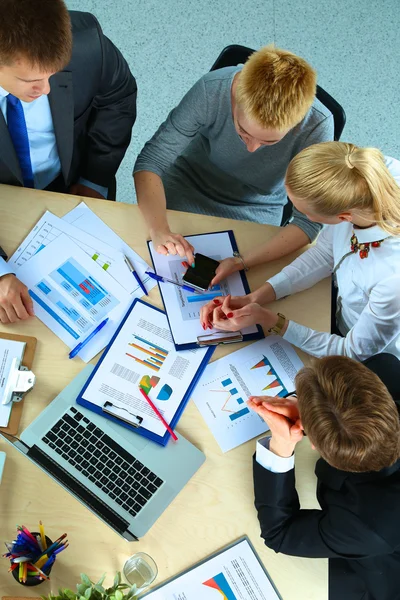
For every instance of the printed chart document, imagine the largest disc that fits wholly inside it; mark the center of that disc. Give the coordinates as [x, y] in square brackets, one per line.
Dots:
[85, 219]
[50, 227]
[9, 349]
[183, 308]
[235, 573]
[72, 294]
[266, 368]
[143, 354]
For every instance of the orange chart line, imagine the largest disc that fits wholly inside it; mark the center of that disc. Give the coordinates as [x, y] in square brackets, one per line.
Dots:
[226, 402]
[158, 357]
[147, 364]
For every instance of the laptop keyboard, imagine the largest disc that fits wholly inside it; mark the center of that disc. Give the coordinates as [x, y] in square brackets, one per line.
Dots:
[104, 462]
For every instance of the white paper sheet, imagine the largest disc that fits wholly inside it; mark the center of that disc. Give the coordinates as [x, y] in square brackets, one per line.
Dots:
[143, 353]
[265, 368]
[233, 574]
[49, 227]
[72, 294]
[183, 308]
[86, 220]
[9, 349]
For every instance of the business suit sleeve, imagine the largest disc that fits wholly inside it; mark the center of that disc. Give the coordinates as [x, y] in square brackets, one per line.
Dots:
[329, 533]
[112, 117]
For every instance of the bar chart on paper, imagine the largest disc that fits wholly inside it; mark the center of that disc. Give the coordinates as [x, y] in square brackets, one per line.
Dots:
[48, 229]
[147, 353]
[233, 402]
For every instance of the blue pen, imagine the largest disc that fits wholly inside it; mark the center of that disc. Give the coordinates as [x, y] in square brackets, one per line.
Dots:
[187, 288]
[79, 347]
[136, 276]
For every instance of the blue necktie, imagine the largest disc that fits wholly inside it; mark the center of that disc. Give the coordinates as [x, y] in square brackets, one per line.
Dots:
[19, 136]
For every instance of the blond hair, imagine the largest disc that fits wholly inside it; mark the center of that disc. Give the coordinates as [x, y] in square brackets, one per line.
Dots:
[276, 88]
[335, 177]
[348, 414]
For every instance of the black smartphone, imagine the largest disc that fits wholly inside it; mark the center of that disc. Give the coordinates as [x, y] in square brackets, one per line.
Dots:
[201, 275]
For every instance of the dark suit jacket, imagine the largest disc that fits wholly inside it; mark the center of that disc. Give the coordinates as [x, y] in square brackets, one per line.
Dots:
[358, 526]
[93, 104]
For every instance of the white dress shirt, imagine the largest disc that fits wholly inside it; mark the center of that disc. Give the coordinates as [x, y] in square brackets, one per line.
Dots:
[271, 461]
[368, 290]
[45, 160]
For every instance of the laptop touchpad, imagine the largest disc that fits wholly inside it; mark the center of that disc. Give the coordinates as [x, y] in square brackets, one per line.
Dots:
[135, 440]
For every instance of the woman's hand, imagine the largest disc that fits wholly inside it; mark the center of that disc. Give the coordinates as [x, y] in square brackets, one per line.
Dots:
[225, 268]
[207, 311]
[166, 242]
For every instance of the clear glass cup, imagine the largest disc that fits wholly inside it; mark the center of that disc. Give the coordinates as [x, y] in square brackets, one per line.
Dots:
[141, 569]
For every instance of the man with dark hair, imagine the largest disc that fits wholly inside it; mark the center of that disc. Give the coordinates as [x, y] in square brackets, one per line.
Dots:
[67, 107]
[350, 417]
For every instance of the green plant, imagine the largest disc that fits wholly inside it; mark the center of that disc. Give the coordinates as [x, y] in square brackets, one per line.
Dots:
[87, 590]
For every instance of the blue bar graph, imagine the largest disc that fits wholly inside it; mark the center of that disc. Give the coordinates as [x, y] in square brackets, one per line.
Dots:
[239, 414]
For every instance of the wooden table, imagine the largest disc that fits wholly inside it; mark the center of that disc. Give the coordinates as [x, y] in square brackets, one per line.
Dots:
[216, 507]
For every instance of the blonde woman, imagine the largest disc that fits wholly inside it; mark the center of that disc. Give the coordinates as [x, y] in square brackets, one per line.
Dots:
[225, 148]
[355, 192]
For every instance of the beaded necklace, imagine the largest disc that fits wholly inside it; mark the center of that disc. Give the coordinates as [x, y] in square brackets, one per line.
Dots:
[364, 248]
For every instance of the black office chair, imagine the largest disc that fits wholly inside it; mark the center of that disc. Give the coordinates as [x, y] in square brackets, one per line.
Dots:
[235, 54]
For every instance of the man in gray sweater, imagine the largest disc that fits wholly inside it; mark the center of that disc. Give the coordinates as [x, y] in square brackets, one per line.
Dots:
[225, 148]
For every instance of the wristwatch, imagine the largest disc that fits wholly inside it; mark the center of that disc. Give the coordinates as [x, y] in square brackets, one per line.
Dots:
[277, 328]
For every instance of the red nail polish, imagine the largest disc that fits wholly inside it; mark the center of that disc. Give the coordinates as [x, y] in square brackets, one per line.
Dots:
[229, 315]
[203, 326]
[217, 302]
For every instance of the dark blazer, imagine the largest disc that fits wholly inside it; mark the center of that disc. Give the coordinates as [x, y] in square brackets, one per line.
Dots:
[93, 104]
[358, 526]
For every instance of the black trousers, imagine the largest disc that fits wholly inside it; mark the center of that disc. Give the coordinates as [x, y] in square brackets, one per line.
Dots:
[58, 186]
[334, 295]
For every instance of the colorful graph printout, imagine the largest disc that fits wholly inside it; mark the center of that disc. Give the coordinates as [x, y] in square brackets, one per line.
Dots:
[147, 353]
[231, 393]
[219, 583]
[271, 373]
[147, 382]
[165, 392]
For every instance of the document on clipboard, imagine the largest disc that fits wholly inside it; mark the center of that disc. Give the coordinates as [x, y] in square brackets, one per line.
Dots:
[16, 378]
[183, 308]
[233, 573]
[142, 355]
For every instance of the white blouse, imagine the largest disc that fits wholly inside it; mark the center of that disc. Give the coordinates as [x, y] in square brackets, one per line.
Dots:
[368, 290]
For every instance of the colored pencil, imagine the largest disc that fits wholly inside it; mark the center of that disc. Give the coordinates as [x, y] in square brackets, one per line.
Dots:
[159, 415]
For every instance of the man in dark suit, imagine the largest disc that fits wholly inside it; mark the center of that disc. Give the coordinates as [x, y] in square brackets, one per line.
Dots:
[350, 418]
[67, 107]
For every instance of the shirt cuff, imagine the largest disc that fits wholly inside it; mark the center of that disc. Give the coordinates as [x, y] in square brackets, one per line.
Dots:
[97, 188]
[281, 284]
[270, 461]
[4, 268]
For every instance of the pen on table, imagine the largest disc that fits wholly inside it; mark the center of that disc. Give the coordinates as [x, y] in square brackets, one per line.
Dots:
[136, 276]
[159, 415]
[79, 347]
[187, 288]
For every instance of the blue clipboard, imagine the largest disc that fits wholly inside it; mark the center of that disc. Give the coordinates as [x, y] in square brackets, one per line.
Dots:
[163, 440]
[257, 335]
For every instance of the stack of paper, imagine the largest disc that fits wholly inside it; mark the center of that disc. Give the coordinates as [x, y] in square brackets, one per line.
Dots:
[76, 279]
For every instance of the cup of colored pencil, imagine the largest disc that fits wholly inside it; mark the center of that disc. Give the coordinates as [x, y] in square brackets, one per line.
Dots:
[32, 555]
